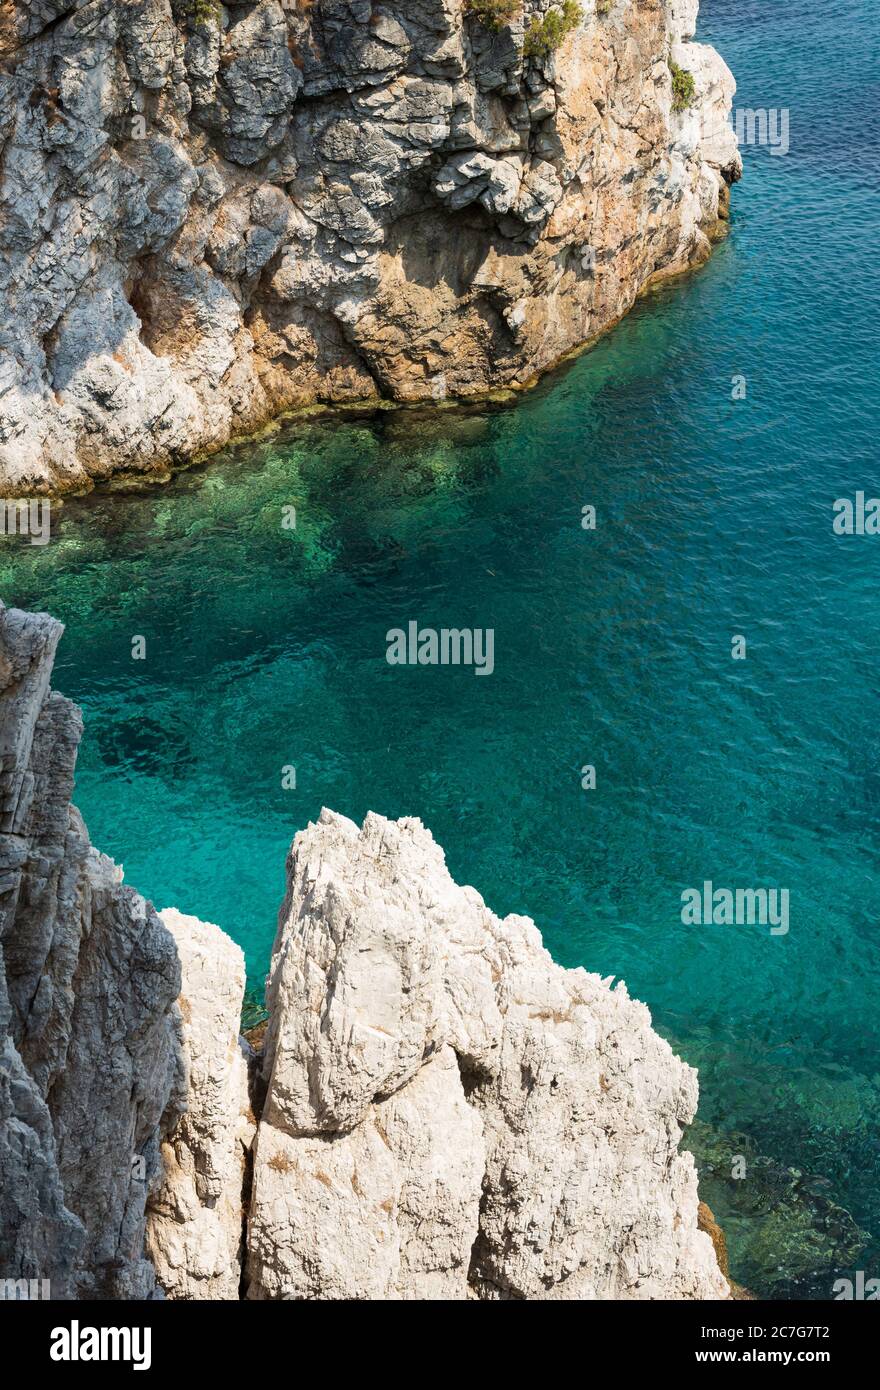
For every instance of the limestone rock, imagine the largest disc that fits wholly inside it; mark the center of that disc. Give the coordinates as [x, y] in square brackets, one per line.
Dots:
[209, 214]
[387, 1210]
[88, 977]
[399, 1007]
[195, 1227]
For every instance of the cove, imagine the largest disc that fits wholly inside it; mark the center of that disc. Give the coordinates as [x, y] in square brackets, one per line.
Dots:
[265, 649]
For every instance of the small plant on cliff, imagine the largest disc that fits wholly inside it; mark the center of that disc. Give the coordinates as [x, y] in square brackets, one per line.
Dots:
[545, 35]
[603, 6]
[683, 91]
[493, 14]
[203, 11]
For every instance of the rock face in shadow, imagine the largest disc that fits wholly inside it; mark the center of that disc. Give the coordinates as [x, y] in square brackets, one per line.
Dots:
[438, 1112]
[449, 1113]
[210, 213]
[92, 1069]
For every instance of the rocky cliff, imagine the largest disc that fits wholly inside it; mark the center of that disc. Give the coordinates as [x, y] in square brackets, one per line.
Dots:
[92, 1069]
[437, 1109]
[211, 212]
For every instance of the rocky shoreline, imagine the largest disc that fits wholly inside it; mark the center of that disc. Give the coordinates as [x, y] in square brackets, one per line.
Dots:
[437, 1111]
[214, 214]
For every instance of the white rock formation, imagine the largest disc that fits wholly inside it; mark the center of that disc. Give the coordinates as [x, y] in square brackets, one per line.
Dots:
[387, 1210]
[196, 1222]
[432, 1076]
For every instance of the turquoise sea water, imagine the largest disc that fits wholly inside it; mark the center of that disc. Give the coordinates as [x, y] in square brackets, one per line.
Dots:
[265, 648]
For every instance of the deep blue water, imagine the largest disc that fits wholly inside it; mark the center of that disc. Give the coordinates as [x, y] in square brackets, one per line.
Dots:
[265, 648]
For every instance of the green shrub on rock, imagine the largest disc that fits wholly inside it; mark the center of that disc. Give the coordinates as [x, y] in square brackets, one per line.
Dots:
[545, 35]
[683, 91]
[493, 14]
[203, 11]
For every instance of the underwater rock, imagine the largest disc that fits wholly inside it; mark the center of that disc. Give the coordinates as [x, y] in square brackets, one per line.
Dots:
[793, 1240]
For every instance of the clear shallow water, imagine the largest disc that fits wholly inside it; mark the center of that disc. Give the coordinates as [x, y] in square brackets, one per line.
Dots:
[266, 648]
